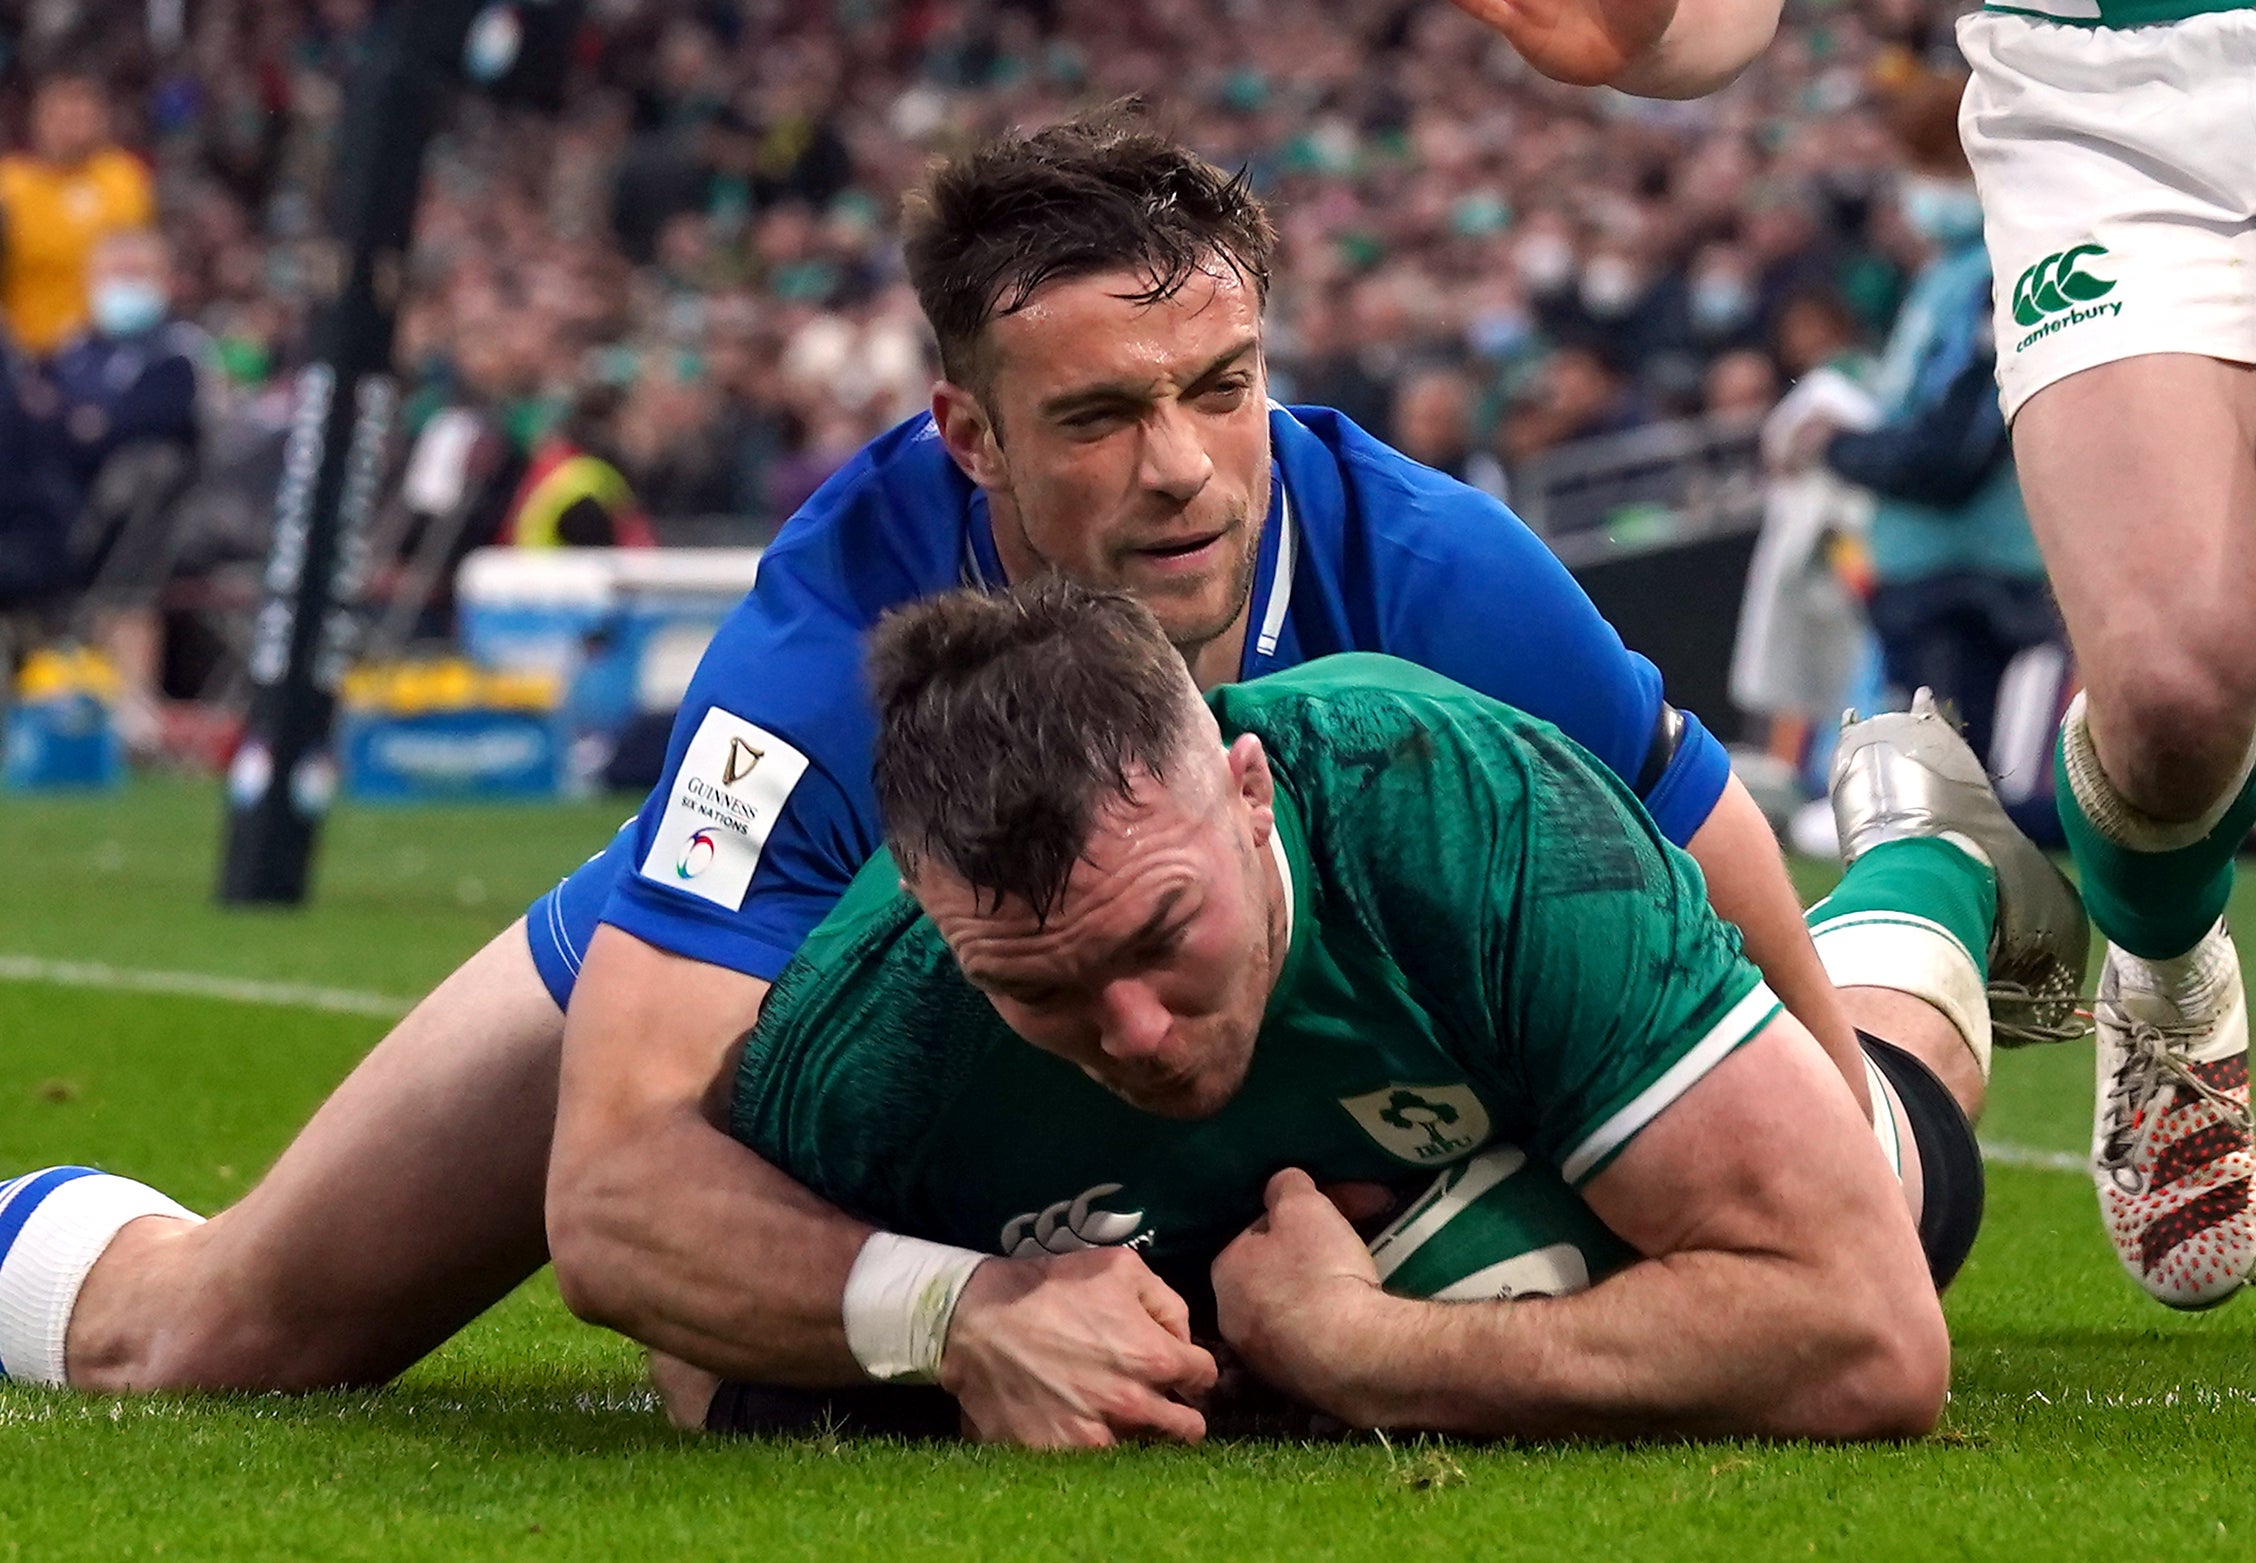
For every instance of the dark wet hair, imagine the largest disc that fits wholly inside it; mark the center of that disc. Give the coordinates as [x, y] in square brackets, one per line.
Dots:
[1104, 192]
[1005, 720]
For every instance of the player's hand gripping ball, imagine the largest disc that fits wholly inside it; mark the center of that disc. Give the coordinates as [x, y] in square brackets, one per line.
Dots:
[1288, 1290]
[1496, 1225]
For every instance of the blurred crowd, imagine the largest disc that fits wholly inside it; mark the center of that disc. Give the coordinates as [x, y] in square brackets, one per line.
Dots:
[698, 255]
[690, 275]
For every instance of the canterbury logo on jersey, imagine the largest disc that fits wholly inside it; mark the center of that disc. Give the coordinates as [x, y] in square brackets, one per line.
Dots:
[1071, 1225]
[2058, 282]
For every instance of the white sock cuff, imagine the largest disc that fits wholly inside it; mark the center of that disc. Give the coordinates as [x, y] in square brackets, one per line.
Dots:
[2114, 816]
[55, 1246]
[1914, 956]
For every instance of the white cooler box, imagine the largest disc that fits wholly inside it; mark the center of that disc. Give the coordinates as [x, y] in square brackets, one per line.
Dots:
[622, 627]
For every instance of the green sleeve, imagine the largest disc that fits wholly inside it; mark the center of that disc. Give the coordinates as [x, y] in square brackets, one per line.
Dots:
[1621, 987]
[859, 1049]
[1528, 900]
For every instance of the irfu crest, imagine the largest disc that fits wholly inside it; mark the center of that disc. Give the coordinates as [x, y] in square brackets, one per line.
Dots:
[1425, 1125]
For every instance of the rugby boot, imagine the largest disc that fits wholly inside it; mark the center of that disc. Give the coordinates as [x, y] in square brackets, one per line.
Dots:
[2171, 1151]
[1909, 773]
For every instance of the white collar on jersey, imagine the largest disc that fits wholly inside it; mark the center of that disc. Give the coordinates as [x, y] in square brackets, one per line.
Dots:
[1280, 580]
[1284, 874]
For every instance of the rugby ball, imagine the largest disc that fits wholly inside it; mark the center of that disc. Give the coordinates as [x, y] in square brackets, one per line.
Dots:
[1496, 1225]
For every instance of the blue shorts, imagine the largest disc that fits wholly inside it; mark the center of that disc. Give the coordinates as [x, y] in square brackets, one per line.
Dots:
[560, 924]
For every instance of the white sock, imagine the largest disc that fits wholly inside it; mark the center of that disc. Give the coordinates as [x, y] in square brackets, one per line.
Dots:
[53, 1226]
[2197, 985]
[1911, 955]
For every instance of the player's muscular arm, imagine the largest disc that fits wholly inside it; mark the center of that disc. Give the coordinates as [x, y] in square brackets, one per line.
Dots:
[1747, 885]
[662, 1226]
[1653, 48]
[1124, 1334]
[665, 1228]
[1787, 1295]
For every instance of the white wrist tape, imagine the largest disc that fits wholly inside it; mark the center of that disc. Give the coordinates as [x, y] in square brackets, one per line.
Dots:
[900, 1296]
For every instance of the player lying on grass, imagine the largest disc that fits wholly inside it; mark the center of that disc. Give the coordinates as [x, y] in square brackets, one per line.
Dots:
[1346, 924]
[1097, 294]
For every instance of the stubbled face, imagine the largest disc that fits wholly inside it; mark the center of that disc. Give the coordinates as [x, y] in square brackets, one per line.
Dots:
[1127, 445]
[1153, 970]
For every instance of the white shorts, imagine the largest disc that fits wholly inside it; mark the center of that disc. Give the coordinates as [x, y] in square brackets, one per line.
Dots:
[2117, 168]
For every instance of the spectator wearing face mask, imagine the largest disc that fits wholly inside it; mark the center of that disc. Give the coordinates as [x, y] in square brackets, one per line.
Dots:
[1663, 321]
[1636, 315]
[1959, 591]
[130, 376]
[1722, 306]
[126, 427]
[1547, 262]
[58, 201]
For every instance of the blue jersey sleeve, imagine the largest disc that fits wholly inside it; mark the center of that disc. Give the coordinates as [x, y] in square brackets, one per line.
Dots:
[796, 874]
[758, 824]
[1459, 584]
[766, 812]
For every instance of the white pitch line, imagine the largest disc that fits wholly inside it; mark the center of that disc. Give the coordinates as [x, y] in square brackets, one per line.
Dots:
[346, 1001]
[200, 985]
[2005, 1153]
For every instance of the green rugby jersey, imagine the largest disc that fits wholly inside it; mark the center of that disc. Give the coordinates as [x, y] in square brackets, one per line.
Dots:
[1490, 942]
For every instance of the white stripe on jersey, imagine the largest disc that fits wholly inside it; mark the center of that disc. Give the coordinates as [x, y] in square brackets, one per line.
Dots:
[1739, 1023]
[1280, 583]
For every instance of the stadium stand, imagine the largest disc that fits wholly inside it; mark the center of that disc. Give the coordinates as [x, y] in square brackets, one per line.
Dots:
[692, 271]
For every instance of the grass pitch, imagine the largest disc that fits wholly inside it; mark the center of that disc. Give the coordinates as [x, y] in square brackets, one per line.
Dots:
[2084, 1420]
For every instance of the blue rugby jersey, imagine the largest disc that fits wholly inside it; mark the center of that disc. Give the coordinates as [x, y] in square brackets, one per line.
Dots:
[766, 809]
